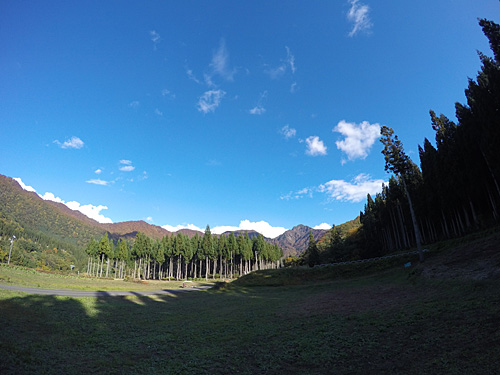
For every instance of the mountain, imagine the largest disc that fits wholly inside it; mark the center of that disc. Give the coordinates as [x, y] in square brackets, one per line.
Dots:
[126, 228]
[251, 234]
[295, 241]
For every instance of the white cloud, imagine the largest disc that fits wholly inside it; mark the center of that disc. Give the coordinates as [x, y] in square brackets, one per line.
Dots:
[51, 197]
[94, 212]
[126, 166]
[359, 138]
[288, 132]
[88, 210]
[315, 146]
[25, 187]
[171, 228]
[98, 171]
[73, 142]
[158, 112]
[290, 60]
[167, 93]
[213, 163]
[277, 72]
[293, 88]
[220, 63]
[155, 37]
[257, 110]
[149, 218]
[323, 226]
[359, 16]
[97, 181]
[191, 76]
[306, 192]
[261, 226]
[210, 100]
[354, 191]
[134, 104]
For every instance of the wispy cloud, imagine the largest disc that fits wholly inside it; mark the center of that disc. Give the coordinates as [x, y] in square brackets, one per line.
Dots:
[134, 104]
[315, 146]
[167, 93]
[98, 181]
[353, 191]
[359, 138]
[288, 132]
[280, 70]
[213, 163]
[155, 37]
[259, 108]
[191, 76]
[210, 100]
[219, 64]
[290, 60]
[89, 210]
[158, 112]
[73, 142]
[302, 193]
[359, 16]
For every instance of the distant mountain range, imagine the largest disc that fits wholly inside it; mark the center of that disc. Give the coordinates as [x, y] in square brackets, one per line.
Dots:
[55, 221]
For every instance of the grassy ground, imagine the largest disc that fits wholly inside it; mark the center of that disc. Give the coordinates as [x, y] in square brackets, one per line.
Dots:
[29, 277]
[385, 321]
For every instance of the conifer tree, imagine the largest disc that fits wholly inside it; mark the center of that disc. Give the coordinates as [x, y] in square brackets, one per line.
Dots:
[399, 163]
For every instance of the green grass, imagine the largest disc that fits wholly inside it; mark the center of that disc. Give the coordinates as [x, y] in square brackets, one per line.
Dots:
[373, 324]
[362, 319]
[23, 276]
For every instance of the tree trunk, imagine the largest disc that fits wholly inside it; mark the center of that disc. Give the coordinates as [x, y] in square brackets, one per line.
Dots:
[107, 267]
[415, 224]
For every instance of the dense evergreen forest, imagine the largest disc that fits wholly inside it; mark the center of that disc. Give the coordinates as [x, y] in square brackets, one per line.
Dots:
[455, 191]
[180, 257]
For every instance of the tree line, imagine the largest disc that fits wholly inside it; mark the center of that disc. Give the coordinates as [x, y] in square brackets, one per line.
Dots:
[180, 257]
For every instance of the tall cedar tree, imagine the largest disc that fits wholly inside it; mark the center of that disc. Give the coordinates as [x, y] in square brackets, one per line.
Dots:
[399, 163]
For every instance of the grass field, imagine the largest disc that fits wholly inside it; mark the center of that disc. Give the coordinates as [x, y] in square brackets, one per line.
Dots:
[29, 277]
[381, 322]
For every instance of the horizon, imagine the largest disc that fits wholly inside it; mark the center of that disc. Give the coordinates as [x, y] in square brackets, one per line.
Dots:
[245, 225]
[238, 115]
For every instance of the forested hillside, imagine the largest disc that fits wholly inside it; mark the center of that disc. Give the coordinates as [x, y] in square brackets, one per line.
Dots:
[455, 191]
[45, 235]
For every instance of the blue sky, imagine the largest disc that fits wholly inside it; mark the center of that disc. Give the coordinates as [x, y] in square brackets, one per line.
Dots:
[260, 115]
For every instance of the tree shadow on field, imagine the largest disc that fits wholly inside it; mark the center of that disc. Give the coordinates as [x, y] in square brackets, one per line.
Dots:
[42, 334]
[183, 332]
